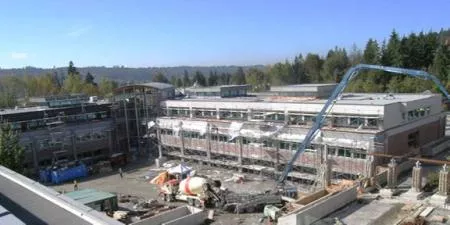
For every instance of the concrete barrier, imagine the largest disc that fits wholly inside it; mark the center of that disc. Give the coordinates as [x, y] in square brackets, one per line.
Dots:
[185, 215]
[320, 208]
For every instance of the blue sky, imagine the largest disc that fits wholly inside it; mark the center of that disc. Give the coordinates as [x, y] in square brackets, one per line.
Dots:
[198, 32]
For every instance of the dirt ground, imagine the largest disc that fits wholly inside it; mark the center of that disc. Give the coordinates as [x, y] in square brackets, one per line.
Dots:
[136, 182]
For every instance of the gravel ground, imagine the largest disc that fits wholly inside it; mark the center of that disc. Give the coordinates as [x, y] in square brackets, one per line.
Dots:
[135, 183]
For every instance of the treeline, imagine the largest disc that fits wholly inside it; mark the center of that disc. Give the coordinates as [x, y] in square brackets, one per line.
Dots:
[123, 74]
[425, 51]
[14, 87]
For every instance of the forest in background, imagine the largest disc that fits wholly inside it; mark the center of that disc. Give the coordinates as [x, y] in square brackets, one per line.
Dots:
[429, 51]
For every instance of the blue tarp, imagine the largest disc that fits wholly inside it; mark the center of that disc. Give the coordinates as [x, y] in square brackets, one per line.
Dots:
[61, 175]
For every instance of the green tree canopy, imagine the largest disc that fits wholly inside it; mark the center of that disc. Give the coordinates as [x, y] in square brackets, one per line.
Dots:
[259, 80]
[11, 153]
[238, 77]
[186, 80]
[312, 65]
[199, 78]
[213, 79]
[160, 77]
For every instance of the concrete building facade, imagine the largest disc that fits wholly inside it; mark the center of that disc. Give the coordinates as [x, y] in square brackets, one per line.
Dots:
[66, 129]
[267, 129]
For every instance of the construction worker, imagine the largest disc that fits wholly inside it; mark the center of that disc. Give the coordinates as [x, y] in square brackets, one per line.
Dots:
[120, 173]
[75, 185]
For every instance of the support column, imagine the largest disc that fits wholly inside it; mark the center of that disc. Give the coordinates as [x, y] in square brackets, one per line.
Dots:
[326, 176]
[441, 198]
[443, 188]
[417, 178]
[240, 145]
[416, 187]
[208, 140]
[370, 167]
[110, 145]
[191, 114]
[158, 136]
[277, 154]
[392, 174]
[218, 113]
[182, 144]
[73, 144]
[34, 149]
[286, 117]
[390, 190]
[138, 126]
[249, 114]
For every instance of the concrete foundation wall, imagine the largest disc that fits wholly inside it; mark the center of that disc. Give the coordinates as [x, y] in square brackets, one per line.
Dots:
[164, 217]
[192, 219]
[319, 209]
[185, 215]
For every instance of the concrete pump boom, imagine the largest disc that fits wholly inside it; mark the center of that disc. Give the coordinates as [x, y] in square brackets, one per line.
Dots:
[349, 75]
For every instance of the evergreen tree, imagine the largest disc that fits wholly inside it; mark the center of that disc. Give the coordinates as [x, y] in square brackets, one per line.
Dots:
[312, 66]
[441, 64]
[238, 77]
[199, 78]
[186, 80]
[11, 153]
[392, 56]
[179, 82]
[281, 74]
[355, 56]
[299, 70]
[72, 70]
[371, 52]
[89, 79]
[224, 79]
[335, 65]
[160, 77]
[212, 79]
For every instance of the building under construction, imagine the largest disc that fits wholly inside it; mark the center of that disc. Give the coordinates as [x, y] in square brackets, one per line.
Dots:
[226, 125]
[70, 127]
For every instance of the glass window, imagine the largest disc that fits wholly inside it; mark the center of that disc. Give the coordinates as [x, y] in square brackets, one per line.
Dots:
[294, 146]
[356, 121]
[371, 122]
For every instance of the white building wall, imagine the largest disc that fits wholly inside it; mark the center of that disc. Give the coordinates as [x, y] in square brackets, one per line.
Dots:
[312, 108]
[393, 112]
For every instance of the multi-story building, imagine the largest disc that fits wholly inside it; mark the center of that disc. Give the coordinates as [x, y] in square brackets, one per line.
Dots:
[65, 127]
[265, 130]
[134, 106]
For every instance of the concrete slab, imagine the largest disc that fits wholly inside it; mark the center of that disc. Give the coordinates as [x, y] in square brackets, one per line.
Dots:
[388, 193]
[411, 195]
[369, 214]
[438, 200]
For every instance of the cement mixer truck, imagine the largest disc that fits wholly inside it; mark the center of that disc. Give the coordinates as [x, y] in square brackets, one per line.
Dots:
[196, 191]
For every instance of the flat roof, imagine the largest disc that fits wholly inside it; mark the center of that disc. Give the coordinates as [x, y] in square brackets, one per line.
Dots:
[346, 98]
[44, 108]
[156, 85]
[215, 88]
[302, 87]
[87, 196]
[36, 204]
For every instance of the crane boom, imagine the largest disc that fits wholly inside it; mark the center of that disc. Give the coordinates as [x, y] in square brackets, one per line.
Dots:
[348, 76]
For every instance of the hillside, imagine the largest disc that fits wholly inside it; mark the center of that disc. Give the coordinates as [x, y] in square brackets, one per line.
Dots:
[125, 73]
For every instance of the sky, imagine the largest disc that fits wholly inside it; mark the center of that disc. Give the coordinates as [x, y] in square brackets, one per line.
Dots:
[147, 33]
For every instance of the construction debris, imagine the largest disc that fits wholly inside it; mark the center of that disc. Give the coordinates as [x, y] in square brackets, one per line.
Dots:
[237, 178]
